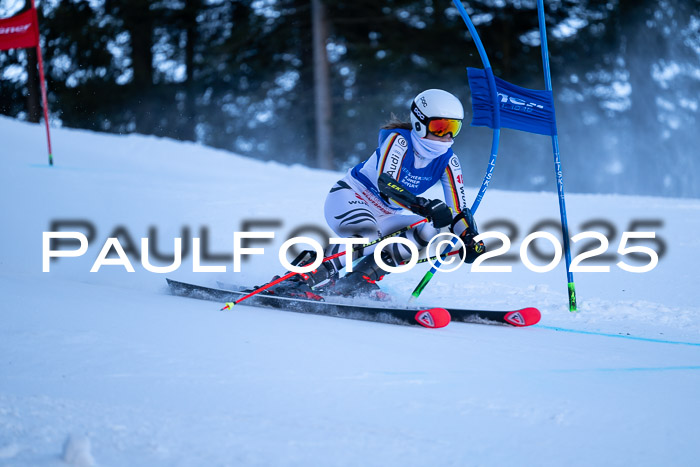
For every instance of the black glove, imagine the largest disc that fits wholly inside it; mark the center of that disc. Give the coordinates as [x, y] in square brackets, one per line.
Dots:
[434, 209]
[472, 249]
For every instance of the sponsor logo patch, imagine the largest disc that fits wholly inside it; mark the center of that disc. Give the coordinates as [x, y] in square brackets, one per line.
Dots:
[515, 318]
[427, 319]
[15, 29]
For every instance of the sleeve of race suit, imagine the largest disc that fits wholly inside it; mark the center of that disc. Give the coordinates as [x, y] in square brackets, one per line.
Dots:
[391, 156]
[453, 188]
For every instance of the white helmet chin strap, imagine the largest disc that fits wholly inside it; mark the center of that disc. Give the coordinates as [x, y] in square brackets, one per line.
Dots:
[428, 148]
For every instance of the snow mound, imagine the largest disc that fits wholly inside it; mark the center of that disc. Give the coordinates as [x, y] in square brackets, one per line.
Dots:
[77, 452]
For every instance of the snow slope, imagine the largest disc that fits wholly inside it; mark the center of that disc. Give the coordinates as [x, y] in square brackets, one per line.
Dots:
[108, 369]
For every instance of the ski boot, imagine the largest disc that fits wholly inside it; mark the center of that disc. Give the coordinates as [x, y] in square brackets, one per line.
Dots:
[301, 285]
[361, 282]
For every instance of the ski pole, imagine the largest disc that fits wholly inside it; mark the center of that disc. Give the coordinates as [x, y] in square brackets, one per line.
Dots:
[444, 255]
[429, 275]
[230, 305]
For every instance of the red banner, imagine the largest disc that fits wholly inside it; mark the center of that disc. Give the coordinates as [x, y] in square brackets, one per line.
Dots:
[19, 32]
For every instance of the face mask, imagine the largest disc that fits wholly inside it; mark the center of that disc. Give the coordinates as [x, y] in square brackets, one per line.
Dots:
[428, 148]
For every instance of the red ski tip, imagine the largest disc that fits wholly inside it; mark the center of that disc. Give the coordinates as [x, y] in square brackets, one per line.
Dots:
[524, 317]
[433, 318]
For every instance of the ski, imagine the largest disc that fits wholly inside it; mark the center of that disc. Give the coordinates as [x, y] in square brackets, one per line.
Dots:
[426, 317]
[383, 313]
[519, 318]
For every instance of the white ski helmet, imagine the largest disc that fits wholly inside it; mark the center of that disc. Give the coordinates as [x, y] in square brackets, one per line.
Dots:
[437, 106]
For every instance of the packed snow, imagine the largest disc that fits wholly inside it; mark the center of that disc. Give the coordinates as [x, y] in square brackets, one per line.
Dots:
[106, 368]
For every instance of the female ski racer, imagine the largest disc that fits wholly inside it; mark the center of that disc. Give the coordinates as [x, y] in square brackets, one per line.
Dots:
[416, 156]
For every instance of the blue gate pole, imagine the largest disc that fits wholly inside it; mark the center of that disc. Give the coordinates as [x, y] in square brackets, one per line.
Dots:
[494, 143]
[557, 161]
[494, 97]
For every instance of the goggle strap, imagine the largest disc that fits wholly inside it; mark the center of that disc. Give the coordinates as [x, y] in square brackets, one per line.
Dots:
[419, 115]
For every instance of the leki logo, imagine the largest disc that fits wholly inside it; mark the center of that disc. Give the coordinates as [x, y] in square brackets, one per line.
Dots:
[459, 178]
[15, 29]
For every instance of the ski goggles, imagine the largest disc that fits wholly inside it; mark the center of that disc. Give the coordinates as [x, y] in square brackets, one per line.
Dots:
[442, 126]
[438, 126]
